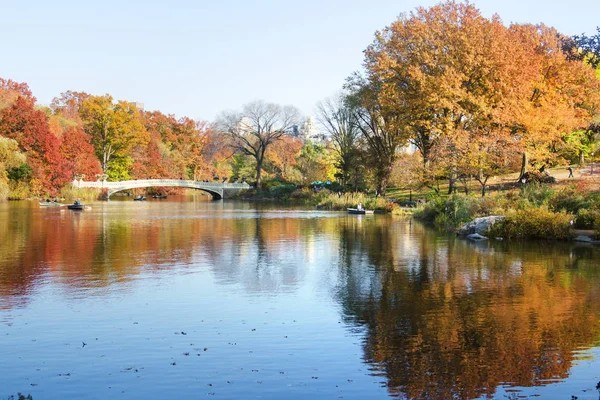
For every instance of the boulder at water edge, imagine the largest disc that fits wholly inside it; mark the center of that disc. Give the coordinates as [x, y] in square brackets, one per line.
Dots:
[480, 226]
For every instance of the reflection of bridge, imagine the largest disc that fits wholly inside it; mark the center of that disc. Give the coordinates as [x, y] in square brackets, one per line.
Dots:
[216, 189]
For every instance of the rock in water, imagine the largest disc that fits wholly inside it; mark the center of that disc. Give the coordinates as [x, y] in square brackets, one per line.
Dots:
[480, 226]
[476, 236]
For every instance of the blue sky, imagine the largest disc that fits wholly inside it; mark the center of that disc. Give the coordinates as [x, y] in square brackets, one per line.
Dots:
[198, 58]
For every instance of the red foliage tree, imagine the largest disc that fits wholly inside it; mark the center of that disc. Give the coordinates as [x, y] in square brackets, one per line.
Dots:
[29, 127]
[151, 162]
[77, 150]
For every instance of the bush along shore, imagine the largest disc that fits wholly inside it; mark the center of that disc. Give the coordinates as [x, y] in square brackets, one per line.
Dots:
[533, 211]
[322, 199]
[536, 211]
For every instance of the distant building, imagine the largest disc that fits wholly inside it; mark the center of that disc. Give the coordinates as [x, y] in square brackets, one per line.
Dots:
[309, 131]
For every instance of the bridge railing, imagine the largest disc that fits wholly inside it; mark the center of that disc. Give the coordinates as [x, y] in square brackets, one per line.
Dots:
[158, 182]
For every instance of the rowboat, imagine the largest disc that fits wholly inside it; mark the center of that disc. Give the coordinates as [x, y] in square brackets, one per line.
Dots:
[139, 198]
[50, 204]
[76, 206]
[361, 211]
[356, 211]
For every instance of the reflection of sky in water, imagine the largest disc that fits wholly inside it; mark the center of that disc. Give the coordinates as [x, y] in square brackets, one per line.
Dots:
[287, 303]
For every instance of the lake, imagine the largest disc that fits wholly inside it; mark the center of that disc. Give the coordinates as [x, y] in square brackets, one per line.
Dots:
[187, 298]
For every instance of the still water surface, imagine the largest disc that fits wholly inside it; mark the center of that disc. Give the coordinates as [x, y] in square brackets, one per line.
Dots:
[188, 298]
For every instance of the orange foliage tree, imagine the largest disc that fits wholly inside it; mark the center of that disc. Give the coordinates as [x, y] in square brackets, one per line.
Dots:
[448, 73]
[283, 156]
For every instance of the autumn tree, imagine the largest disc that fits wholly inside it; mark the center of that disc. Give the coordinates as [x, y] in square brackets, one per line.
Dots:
[444, 72]
[282, 156]
[79, 154]
[219, 157]
[407, 172]
[560, 96]
[192, 137]
[382, 125]
[253, 130]
[449, 73]
[10, 90]
[29, 127]
[314, 163]
[10, 159]
[69, 104]
[114, 128]
[339, 120]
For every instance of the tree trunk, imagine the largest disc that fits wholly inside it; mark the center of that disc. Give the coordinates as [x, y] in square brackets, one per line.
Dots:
[524, 163]
[104, 163]
[581, 158]
[452, 182]
[483, 181]
[258, 172]
[384, 177]
[426, 160]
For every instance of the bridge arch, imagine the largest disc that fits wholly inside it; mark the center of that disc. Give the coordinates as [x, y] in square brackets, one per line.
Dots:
[217, 190]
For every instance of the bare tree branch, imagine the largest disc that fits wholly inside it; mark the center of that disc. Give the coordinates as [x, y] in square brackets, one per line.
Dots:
[256, 127]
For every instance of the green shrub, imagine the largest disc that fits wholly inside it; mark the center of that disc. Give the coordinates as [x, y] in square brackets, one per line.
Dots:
[282, 192]
[447, 213]
[587, 219]
[430, 210]
[536, 193]
[534, 223]
[269, 183]
[442, 221]
[458, 209]
[303, 195]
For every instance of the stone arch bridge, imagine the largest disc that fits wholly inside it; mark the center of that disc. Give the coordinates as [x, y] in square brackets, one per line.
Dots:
[218, 190]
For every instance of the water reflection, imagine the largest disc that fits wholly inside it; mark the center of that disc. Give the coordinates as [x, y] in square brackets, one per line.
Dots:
[454, 319]
[442, 318]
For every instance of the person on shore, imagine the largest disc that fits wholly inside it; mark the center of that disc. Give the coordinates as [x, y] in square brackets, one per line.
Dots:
[570, 171]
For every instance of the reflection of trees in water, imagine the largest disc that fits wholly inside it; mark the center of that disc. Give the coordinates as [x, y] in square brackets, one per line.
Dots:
[95, 250]
[14, 285]
[32, 247]
[261, 255]
[447, 319]
[443, 317]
